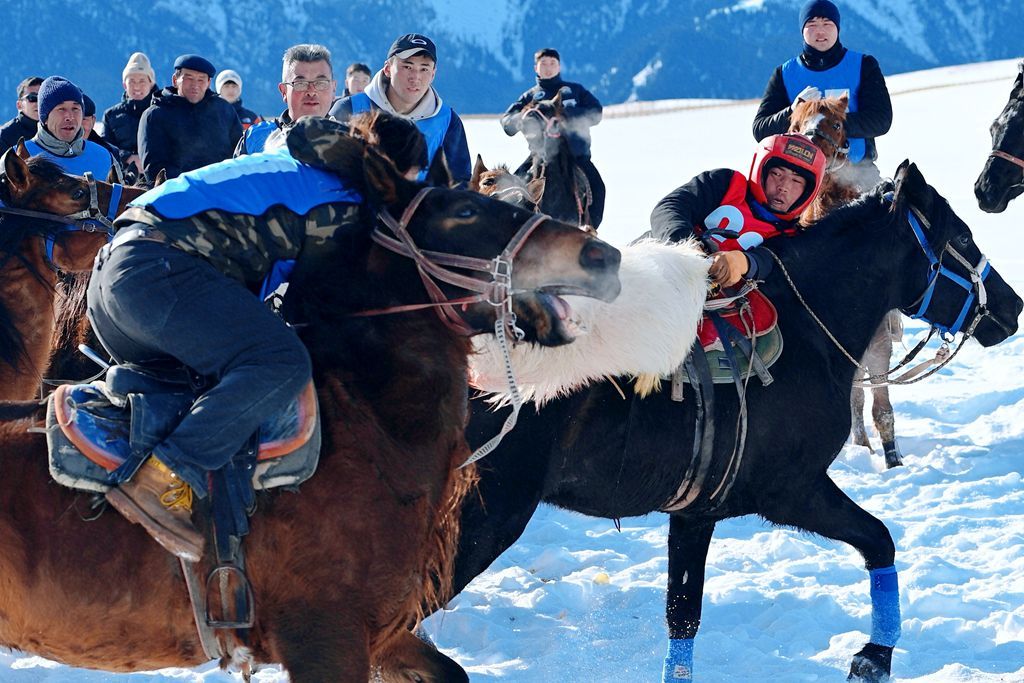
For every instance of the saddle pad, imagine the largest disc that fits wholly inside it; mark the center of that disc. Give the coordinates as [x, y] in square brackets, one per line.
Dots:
[759, 315]
[91, 445]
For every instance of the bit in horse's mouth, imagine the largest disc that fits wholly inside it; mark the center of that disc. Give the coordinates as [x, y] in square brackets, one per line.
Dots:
[561, 311]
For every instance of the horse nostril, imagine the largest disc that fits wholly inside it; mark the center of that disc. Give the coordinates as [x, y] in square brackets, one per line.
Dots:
[597, 254]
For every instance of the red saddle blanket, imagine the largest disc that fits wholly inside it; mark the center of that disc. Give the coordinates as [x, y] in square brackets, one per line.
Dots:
[754, 316]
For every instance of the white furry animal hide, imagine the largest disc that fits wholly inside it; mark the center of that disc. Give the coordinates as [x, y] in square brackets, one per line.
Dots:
[649, 328]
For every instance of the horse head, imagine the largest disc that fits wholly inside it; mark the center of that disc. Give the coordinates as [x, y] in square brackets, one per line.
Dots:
[543, 123]
[823, 120]
[1002, 178]
[502, 184]
[956, 288]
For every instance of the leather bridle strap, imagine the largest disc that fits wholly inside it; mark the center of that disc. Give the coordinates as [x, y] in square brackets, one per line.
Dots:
[1000, 154]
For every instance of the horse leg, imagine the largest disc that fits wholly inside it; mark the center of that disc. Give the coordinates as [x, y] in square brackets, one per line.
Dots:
[858, 432]
[321, 642]
[880, 353]
[688, 544]
[824, 509]
[409, 659]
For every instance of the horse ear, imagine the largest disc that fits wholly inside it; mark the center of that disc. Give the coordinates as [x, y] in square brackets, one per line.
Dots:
[911, 187]
[16, 170]
[161, 177]
[112, 175]
[384, 183]
[22, 149]
[844, 101]
[535, 188]
[479, 168]
[438, 174]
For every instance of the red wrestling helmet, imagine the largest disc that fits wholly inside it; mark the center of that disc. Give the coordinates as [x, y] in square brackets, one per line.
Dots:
[797, 153]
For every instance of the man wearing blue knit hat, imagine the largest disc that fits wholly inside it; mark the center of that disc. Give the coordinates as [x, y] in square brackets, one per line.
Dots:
[825, 68]
[59, 135]
[188, 125]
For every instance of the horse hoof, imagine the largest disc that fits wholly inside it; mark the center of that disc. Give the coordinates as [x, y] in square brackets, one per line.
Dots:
[893, 457]
[871, 665]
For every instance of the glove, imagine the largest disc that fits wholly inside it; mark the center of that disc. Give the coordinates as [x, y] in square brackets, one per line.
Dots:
[728, 267]
[807, 94]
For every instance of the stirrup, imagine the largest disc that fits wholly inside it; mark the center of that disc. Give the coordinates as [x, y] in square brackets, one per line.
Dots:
[241, 592]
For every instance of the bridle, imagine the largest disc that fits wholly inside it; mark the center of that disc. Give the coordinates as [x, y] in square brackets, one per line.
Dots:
[90, 219]
[551, 127]
[840, 157]
[974, 292]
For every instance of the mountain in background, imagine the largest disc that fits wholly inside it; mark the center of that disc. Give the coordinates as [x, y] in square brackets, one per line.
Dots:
[620, 49]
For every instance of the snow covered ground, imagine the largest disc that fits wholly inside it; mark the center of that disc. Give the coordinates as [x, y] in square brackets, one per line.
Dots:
[577, 600]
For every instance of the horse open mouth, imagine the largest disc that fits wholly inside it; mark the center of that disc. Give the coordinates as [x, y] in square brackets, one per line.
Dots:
[563, 317]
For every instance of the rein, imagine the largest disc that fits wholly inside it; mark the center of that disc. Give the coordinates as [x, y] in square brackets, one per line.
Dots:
[1000, 154]
[975, 289]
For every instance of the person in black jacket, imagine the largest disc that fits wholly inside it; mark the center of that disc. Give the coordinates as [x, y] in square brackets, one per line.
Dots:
[826, 68]
[229, 87]
[785, 176]
[188, 126]
[582, 110]
[23, 125]
[121, 121]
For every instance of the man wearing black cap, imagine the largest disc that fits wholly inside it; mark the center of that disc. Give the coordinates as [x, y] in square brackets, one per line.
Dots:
[827, 69]
[403, 87]
[188, 125]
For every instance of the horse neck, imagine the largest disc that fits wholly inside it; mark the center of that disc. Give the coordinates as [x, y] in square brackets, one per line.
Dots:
[559, 198]
[27, 295]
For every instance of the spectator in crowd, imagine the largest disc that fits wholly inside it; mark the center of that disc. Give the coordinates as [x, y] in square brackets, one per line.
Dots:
[307, 88]
[121, 122]
[357, 77]
[188, 126]
[59, 134]
[229, 87]
[582, 110]
[403, 87]
[90, 134]
[24, 124]
[825, 68]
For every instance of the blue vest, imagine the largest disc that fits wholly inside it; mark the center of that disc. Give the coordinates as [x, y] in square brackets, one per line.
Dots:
[844, 77]
[249, 185]
[434, 128]
[256, 136]
[93, 158]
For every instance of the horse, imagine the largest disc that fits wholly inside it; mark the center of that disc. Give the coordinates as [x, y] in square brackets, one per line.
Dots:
[501, 183]
[823, 120]
[566, 193]
[607, 452]
[37, 255]
[341, 570]
[1002, 178]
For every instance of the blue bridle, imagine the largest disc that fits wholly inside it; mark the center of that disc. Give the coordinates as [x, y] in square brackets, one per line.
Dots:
[974, 288]
[90, 219]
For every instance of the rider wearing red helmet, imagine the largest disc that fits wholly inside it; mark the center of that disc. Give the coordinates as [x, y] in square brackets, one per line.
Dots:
[785, 176]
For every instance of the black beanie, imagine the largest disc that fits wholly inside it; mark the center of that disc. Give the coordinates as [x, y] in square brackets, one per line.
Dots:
[54, 91]
[88, 106]
[819, 8]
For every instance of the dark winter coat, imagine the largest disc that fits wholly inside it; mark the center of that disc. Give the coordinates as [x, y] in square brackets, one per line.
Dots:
[19, 127]
[683, 211]
[871, 120]
[178, 136]
[582, 110]
[247, 117]
[121, 123]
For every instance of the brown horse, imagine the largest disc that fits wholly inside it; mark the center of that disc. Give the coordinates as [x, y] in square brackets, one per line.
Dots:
[823, 121]
[31, 292]
[342, 569]
[503, 184]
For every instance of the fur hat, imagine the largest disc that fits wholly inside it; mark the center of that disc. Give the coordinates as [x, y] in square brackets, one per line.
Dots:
[225, 76]
[54, 91]
[819, 8]
[138, 63]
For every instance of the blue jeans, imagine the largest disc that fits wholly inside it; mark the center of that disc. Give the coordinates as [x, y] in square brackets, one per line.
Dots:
[149, 301]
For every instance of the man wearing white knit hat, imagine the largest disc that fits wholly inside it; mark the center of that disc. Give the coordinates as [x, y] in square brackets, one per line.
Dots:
[121, 122]
[228, 85]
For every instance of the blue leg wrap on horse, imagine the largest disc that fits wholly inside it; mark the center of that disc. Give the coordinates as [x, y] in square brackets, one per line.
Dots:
[885, 606]
[679, 661]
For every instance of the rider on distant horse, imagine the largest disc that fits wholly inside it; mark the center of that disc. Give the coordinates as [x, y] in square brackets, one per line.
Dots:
[582, 110]
[177, 282]
[784, 178]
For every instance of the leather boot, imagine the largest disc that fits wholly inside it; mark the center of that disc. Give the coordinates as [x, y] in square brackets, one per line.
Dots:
[162, 503]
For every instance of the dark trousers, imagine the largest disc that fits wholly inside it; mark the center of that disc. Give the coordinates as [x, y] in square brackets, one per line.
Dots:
[149, 301]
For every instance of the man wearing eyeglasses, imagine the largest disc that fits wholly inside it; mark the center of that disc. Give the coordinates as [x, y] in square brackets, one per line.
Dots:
[24, 124]
[403, 87]
[307, 88]
[188, 126]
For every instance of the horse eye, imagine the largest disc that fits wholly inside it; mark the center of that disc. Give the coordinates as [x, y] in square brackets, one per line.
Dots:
[78, 194]
[963, 240]
[487, 182]
[467, 211]
[836, 126]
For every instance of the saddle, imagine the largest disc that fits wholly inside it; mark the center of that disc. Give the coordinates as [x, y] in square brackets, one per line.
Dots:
[739, 332]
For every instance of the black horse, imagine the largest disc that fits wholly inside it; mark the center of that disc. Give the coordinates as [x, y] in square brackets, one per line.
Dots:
[607, 455]
[1002, 179]
[568, 194]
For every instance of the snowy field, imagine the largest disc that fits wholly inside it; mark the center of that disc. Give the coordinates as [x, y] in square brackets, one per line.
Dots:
[577, 600]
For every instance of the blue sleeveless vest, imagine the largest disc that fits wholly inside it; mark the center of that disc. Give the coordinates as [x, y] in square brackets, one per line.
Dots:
[249, 185]
[93, 158]
[256, 136]
[844, 77]
[434, 128]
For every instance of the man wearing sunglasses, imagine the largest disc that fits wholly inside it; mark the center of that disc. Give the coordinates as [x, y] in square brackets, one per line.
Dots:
[24, 124]
[307, 88]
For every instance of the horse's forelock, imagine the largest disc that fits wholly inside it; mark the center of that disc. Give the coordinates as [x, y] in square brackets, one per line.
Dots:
[45, 169]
